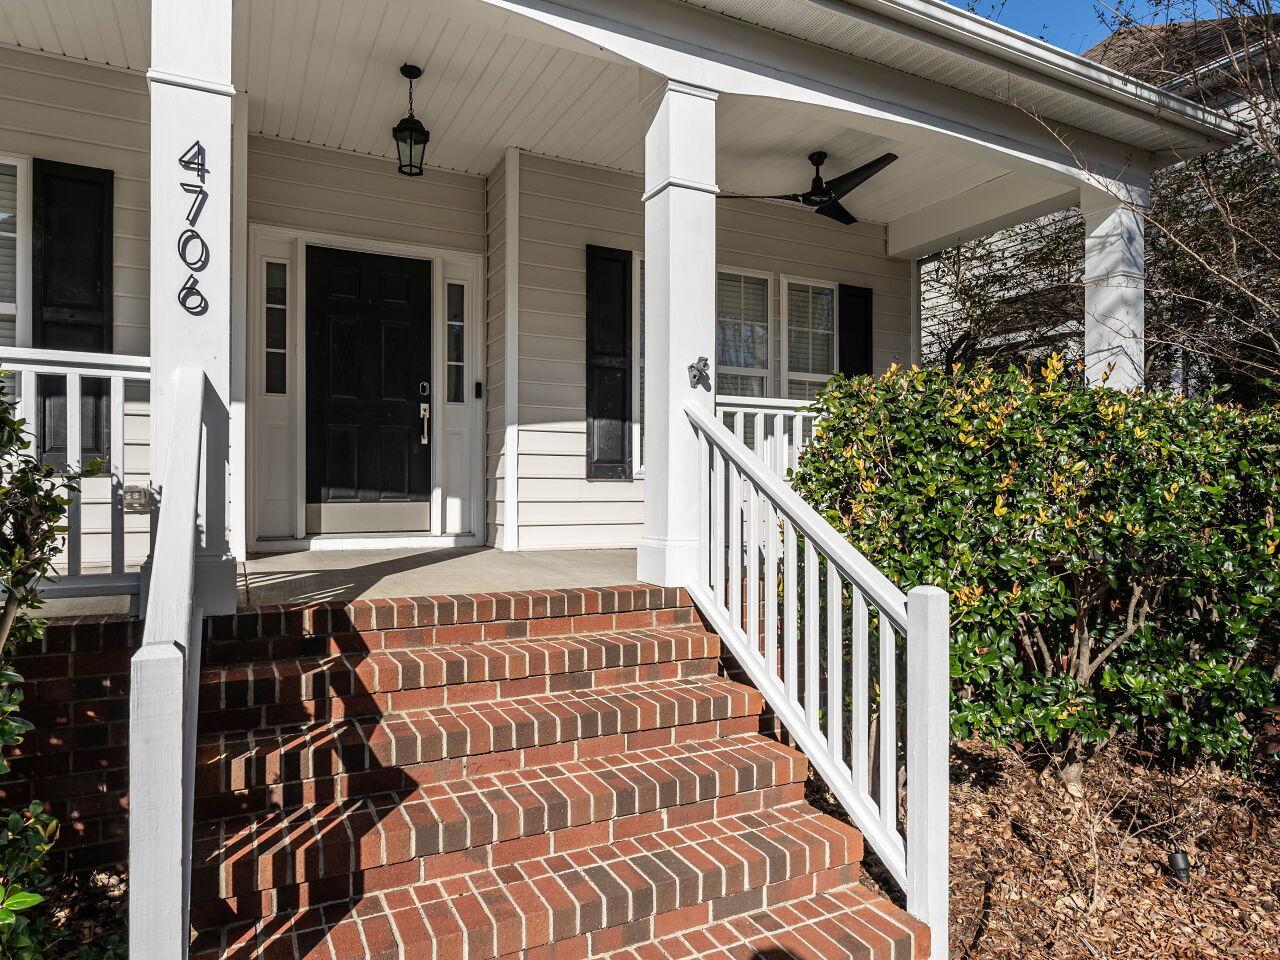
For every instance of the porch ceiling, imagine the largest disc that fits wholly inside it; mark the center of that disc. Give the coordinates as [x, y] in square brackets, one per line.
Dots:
[325, 72]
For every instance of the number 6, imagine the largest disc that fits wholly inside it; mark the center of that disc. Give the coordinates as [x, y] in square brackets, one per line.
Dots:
[191, 299]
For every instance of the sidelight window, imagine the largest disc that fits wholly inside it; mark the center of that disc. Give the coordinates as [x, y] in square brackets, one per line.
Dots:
[276, 352]
[455, 343]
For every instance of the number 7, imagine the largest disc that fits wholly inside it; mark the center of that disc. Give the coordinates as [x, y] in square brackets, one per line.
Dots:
[197, 205]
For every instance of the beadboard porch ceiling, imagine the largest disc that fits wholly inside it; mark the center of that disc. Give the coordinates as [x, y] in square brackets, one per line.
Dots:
[325, 72]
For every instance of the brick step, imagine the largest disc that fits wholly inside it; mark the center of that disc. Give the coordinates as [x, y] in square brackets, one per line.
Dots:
[359, 683]
[389, 840]
[327, 761]
[598, 898]
[288, 632]
[848, 923]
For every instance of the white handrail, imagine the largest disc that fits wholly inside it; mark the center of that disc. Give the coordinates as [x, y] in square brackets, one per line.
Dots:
[163, 698]
[794, 604]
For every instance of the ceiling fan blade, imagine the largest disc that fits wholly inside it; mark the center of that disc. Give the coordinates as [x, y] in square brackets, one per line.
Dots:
[836, 211]
[793, 197]
[841, 185]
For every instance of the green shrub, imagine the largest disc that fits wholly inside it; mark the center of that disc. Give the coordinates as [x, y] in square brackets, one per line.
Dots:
[1112, 558]
[32, 508]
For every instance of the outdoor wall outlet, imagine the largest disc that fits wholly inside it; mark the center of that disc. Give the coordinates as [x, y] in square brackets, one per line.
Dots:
[137, 498]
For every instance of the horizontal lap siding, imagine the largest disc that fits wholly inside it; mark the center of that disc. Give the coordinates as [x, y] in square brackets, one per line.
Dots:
[73, 112]
[565, 206]
[327, 191]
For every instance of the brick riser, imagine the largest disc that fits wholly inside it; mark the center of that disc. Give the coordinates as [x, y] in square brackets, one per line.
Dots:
[556, 774]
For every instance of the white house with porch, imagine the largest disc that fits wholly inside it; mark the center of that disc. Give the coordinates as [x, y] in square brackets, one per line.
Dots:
[338, 274]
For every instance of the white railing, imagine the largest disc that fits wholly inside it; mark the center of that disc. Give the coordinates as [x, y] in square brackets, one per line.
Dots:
[73, 369]
[163, 699]
[774, 430]
[858, 672]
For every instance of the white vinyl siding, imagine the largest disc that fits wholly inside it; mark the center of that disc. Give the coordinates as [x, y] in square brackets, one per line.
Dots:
[74, 112]
[563, 207]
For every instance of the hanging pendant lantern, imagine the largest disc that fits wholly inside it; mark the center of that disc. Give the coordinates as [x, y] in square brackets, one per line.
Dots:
[410, 135]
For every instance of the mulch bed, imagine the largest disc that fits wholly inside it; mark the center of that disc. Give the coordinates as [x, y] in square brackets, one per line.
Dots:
[1039, 873]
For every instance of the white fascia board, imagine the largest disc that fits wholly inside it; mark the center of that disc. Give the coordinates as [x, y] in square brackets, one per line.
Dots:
[1042, 61]
[978, 212]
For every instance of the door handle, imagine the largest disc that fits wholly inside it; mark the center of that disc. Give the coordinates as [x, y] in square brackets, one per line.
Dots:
[424, 411]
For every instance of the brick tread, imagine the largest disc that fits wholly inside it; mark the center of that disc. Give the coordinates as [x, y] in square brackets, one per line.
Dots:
[510, 668]
[721, 866]
[551, 809]
[848, 923]
[230, 762]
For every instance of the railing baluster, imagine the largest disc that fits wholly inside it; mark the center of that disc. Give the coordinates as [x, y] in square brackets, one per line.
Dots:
[705, 452]
[835, 663]
[117, 474]
[74, 447]
[858, 652]
[780, 445]
[717, 525]
[789, 607]
[752, 557]
[771, 588]
[737, 425]
[888, 725]
[812, 627]
[797, 440]
[735, 543]
[27, 403]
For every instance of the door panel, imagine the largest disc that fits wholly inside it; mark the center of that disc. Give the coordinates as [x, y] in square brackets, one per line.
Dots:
[368, 352]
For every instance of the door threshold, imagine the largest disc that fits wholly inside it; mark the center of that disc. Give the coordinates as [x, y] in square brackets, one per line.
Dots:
[367, 541]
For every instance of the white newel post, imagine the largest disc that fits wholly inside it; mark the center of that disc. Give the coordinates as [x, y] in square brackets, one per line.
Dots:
[191, 91]
[1114, 287]
[680, 300]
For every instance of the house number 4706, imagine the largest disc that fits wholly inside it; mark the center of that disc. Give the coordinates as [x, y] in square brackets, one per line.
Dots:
[192, 249]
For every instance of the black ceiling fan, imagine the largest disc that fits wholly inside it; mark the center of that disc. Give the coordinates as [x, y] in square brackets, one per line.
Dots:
[825, 196]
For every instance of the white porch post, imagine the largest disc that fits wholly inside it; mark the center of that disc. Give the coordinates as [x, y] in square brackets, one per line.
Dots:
[190, 83]
[1114, 287]
[680, 300]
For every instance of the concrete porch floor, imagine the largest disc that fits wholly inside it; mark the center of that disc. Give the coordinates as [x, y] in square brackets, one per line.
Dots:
[318, 575]
[313, 576]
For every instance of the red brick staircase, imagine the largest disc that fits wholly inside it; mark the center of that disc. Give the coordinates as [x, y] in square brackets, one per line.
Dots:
[554, 774]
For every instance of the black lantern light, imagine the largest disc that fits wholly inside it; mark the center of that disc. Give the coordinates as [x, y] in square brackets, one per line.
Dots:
[410, 135]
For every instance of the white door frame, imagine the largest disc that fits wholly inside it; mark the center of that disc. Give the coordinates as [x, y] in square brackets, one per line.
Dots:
[472, 276]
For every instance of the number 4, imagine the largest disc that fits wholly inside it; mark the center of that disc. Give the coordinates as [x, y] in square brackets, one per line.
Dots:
[194, 160]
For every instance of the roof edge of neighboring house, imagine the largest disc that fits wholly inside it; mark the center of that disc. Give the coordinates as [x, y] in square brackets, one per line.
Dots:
[996, 41]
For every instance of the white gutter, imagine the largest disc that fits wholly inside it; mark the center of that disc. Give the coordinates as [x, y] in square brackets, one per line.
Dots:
[1042, 60]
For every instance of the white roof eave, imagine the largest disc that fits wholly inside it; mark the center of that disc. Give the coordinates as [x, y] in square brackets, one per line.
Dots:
[1041, 59]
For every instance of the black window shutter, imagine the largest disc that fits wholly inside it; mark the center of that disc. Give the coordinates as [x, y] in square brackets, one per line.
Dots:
[608, 363]
[855, 330]
[71, 263]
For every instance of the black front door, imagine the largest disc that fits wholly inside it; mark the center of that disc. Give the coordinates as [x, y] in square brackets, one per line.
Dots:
[368, 379]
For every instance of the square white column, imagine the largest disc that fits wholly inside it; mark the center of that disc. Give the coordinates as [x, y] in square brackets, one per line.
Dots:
[1114, 288]
[680, 302]
[190, 305]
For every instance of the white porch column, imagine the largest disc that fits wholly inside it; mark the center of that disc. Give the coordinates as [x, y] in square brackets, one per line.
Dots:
[680, 301]
[190, 82]
[1114, 287]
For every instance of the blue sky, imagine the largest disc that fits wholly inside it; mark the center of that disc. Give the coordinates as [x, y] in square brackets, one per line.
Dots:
[1070, 24]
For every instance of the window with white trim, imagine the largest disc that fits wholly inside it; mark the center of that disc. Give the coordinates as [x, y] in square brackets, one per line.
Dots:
[742, 334]
[810, 346]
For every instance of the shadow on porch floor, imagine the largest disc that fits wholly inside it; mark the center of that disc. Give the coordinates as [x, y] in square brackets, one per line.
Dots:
[313, 576]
